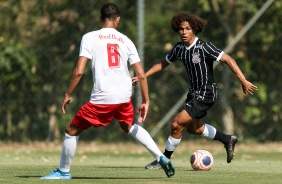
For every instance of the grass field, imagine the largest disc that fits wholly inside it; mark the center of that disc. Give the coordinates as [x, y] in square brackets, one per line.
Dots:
[124, 163]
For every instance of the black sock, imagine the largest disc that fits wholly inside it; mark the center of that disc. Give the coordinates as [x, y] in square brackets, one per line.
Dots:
[168, 153]
[222, 137]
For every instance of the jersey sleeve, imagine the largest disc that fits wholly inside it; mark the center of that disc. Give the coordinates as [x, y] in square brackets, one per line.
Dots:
[85, 47]
[211, 51]
[172, 56]
[133, 54]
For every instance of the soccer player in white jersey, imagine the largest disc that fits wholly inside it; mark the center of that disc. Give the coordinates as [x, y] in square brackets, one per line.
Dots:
[197, 57]
[109, 52]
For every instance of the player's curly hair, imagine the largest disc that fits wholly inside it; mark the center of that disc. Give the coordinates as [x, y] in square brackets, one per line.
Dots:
[110, 11]
[197, 24]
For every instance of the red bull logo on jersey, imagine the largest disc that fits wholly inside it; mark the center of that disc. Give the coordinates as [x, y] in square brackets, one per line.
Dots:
[111, 36]
[196, 58]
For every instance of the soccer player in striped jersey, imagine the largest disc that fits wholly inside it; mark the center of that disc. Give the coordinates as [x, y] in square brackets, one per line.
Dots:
[197, 57]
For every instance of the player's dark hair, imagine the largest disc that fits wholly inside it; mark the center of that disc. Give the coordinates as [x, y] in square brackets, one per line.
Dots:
[110, 11]
[197, 24]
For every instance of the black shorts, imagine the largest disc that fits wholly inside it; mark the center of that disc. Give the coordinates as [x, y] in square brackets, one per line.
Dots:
[196, 107]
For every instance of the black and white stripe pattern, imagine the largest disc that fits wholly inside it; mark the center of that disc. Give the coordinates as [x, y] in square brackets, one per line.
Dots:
[198, 60]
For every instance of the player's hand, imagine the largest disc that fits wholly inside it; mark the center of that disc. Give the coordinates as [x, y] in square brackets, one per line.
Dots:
[66, 100]
[134, 81]
[142, 110]
[248, 87]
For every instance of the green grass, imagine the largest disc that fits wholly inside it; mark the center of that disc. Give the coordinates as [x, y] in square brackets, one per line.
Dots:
[124, 163]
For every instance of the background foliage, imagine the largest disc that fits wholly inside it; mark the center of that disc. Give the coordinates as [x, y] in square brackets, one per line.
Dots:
[39, 45]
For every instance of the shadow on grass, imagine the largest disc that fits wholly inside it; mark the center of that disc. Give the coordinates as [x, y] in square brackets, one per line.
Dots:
[95, 178]
[107, 169]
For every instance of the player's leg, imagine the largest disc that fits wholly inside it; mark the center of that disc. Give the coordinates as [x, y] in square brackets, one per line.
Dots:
[144, 138]
[69, 147]
[197, 108]
[125, 117]
[67, 154]
[179, 122]
[210, 132]
[207, 131]
[72, 131]
[192, 109]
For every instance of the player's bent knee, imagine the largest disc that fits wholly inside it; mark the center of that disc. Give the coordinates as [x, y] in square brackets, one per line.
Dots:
[176, 128]
[125, 127]
[72, 130]
[195, 128]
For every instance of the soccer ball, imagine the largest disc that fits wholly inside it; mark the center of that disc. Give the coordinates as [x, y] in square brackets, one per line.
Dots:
[201, 160]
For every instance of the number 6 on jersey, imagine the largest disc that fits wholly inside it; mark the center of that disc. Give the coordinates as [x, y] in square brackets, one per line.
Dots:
[113, 56]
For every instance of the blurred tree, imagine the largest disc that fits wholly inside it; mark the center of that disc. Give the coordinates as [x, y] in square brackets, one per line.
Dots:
[39, 46]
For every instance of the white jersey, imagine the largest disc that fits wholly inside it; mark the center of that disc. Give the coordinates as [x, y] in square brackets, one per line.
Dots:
[109, 51]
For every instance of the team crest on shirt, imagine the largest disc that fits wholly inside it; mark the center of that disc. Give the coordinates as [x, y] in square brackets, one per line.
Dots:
[196, 58]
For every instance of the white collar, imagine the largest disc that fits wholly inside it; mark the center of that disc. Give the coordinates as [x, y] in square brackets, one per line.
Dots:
[194, 42]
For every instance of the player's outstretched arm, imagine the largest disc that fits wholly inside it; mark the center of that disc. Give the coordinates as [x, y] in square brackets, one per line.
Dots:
[143, 108]
[75, 78]
[247, 86]
[155, 69]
